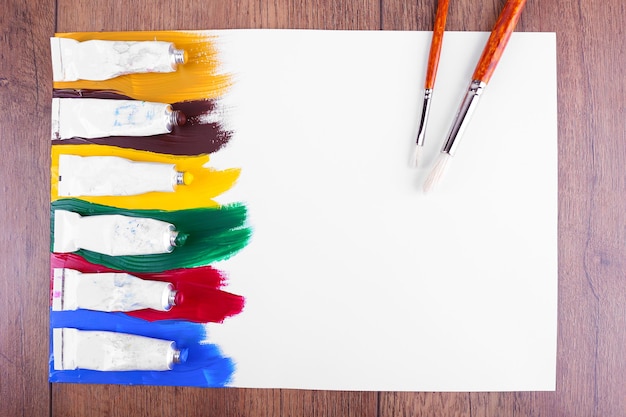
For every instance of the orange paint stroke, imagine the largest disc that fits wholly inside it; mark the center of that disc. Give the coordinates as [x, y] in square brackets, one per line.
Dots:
[197, 79]
[207, 183]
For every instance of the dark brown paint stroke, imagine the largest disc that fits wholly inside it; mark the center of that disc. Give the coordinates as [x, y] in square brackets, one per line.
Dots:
[193, 138]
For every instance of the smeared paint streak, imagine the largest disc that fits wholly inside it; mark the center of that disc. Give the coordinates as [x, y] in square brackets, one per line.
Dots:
[214, 234]
[203, 133]
[205, 365]
[201, 299]
[207, 183]
[196, 79]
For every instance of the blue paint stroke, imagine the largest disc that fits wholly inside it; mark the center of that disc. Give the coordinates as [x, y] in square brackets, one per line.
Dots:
[205, 365]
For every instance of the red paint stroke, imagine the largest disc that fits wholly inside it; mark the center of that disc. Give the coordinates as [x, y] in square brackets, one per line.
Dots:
[199, 297]
[196, 137]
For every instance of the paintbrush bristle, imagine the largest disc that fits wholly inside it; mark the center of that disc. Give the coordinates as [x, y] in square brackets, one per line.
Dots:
[437, 172]
[416, 156]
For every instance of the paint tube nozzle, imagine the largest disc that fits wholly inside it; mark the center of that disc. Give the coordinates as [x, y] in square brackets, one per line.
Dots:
[175, 118]
[179, 56]
[180, 355]
[183, 178]
[172, 298]
[177, 238]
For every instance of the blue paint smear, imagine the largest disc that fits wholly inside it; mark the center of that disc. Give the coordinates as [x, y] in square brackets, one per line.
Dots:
[205, 365]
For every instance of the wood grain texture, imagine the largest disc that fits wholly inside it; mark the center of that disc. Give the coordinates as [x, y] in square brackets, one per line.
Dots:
[24, 183]
[592, 217]
[101, 15]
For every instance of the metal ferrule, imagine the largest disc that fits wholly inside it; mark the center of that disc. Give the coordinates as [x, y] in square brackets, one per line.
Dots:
[178, 56]
[168, 299]
[421, 133]
[173, 236]
[171, 299]
[463, 117]
[176, 358]
[172, 118]
[180, 178]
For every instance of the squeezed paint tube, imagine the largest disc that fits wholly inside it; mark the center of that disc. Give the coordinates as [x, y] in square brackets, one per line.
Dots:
[114, 234]
[99, 118]
[98, 60]
[111, 351]
[108, 291]
[115, 176]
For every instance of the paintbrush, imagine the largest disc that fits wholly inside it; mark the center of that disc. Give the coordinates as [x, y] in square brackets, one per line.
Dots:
[482, 74]
[431, 74]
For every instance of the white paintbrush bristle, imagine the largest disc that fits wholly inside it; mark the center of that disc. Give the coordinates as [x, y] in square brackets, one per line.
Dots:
[416, 156]
[437, 172]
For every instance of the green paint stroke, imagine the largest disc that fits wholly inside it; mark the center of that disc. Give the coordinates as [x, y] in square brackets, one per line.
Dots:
[215, 234]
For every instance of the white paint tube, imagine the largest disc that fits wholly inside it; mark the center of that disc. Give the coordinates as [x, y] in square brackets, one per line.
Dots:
[99, 118]
[108, 291]
[115, 176]
[98, 60]
[112, 234]
[111, 351]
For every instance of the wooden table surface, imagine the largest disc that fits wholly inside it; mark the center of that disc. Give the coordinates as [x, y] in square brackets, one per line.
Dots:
[591, 371]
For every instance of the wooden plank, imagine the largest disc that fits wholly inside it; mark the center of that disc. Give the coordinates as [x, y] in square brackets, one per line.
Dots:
[328, 403]
[102, 15]
[25, 79]
[121, 401]
[420, 15]
[425, 404]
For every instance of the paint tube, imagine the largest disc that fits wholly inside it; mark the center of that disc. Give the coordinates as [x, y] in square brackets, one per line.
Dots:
[111, 351]
[113, 234]
[108, 291]
[98, 60]
[115, 176]
[99, 118]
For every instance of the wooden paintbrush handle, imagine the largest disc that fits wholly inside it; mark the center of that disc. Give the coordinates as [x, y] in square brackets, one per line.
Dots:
[498, 39]
[437, 41]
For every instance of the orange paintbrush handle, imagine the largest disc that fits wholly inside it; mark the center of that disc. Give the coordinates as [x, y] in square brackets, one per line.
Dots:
[498, 39]
[435, 46]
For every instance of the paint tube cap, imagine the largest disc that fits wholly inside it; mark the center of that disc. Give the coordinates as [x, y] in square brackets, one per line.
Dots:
[180, 356]
[168, 297]
[184, 178]
[179, 56]
[175, 118]
[177, 238]
[171, 299]
[181, 119]
[179, 298]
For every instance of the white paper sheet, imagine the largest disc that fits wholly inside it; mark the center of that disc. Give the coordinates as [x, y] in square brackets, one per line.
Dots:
[356, 280]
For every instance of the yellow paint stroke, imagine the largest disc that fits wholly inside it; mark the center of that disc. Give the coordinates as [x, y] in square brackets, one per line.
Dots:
[207, 183]
[197, 79]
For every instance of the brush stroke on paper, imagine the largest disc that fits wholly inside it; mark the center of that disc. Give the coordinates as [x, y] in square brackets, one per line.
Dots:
[206, 366]
[198, 79]
[206, 185]
[214, 234]
[202, 299]
[203, 133]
